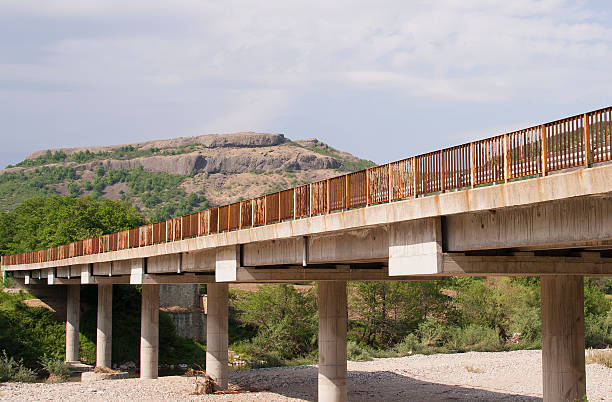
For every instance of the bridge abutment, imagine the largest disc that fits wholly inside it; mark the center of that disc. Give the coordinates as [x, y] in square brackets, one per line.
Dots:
[216, 332]
[105, 326]
[563, 365]
[332, 341]
[149, 331]
[73, 310]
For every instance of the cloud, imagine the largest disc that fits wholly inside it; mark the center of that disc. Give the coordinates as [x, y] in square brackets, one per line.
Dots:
[256, 60]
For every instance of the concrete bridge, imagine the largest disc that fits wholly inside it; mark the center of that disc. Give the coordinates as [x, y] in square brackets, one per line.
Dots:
[533, 202]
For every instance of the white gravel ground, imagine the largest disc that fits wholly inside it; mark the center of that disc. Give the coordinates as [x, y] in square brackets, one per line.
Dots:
[514, 376]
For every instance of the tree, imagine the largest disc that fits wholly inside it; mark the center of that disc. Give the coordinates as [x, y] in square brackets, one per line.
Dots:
[385, 312]
[285, 318]
[40, 223]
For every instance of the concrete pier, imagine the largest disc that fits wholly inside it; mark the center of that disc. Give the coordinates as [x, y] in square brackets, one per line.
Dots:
[73, 310]
[216, 333]
[149, 331]
[105, 326]
[563, 370]
[332, 341]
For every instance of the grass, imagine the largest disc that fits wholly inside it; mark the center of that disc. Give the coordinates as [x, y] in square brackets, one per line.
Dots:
[603, 357]
[472, 369]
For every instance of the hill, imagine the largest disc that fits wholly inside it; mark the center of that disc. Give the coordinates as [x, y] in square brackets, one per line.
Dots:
[166, 178]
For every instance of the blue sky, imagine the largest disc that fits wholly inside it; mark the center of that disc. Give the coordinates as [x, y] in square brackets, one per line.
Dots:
[381, 79]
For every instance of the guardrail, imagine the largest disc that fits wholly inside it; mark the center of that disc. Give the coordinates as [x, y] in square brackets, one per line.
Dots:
[576, 141]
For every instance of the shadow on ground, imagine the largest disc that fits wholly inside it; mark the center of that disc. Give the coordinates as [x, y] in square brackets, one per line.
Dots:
[301, 382]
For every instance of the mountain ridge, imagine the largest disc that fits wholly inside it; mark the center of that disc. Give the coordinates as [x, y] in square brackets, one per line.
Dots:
[165, 178]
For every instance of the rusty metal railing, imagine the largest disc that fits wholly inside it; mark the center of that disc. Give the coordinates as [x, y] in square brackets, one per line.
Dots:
[577, 141]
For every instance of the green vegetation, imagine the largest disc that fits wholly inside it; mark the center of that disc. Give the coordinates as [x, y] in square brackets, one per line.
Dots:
[285, 323]
[277, 324]
[16, 187]
[48, 222]
[351, 166]
[31, 336]
[12, 370]
[123, 153]
[46, 159]
[56, 369]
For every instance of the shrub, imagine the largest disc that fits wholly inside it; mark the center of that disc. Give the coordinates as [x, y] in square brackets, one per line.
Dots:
[408, 346]
[285, 319]
[529, 326]
[11, 370]
[57, 369]
[431, 332]
[603, 357]
[356, 353]
[598, 330]
[473, 338]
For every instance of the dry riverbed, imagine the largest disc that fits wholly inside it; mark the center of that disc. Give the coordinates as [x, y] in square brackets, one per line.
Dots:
[510, 376]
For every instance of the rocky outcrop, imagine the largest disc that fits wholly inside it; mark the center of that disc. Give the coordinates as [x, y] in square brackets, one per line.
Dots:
[224, 162]
[236, 140]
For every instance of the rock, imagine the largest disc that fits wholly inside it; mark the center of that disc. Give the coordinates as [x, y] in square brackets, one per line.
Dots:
[90, 376]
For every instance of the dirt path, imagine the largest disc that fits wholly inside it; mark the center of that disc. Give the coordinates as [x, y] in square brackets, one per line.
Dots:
[505, 376]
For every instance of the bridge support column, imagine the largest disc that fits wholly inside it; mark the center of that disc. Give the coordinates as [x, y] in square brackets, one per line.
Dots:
[73, 309]
[105, 326]
[216, 333]
[332, 341]
[149, 331]
[563, 370]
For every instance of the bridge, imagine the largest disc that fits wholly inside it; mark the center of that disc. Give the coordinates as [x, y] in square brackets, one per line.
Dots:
[536, 201]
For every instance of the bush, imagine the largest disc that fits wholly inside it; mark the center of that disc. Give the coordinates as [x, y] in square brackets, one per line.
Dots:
[473, 338]
[285, 320]
[11, 370]
[58, 370]
[408, 346]
[529, 326]
[431, 332]
[598, 330]
[356, 353]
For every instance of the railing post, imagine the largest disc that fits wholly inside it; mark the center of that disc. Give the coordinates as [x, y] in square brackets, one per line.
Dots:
[279, 206]
[294, 204]
[389, 188]
[414, 177]
[367, 186]
[506, 160]
[587, 140]
[472, 165]
[442, 170]
[239, 214]
[328, 197]
[253, 212]
[310, 199]
[544, 151]
[346, 191]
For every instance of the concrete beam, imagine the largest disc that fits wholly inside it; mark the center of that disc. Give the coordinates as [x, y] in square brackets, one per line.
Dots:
[415, 247]
[105, 326]
[170, 263]
[524, 265]
[73, 312]
[227, 263]
[137, 271]
[149, 332]
[573, 222]
[312, 273]
[333, 317]
[563, 369]
[216, 333]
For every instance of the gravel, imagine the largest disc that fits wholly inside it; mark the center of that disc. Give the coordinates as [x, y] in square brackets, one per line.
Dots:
[470, 376]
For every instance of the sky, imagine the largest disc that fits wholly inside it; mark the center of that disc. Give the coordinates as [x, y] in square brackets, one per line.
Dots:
[383, 79]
